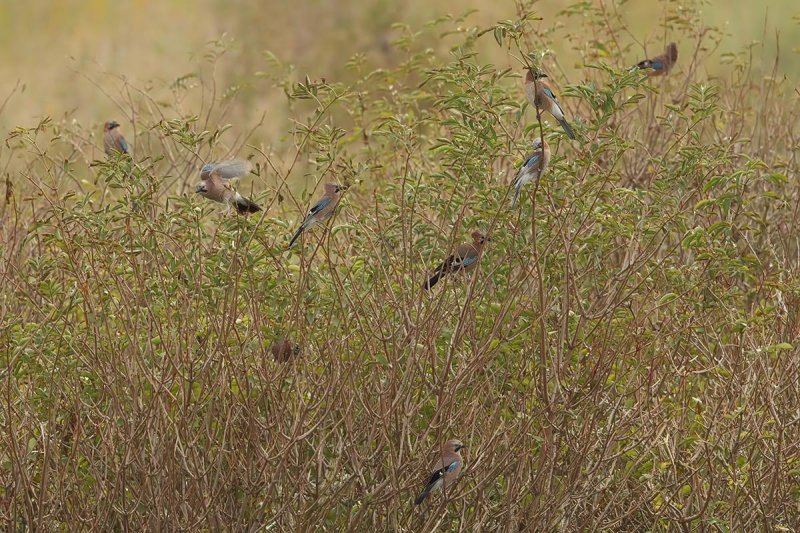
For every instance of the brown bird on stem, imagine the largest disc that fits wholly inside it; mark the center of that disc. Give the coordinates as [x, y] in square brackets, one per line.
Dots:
[464, 259]
[661, 64]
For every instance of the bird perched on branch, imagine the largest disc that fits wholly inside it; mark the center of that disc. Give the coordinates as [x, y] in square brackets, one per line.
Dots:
[445, 471]
[465, 258]
[322, 210]
[660, 64]
[215, 185]
[542, 97]
[283, 350]
[113, 141]
[534, 166]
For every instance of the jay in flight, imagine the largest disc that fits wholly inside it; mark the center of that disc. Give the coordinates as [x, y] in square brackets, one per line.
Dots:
[215, 185]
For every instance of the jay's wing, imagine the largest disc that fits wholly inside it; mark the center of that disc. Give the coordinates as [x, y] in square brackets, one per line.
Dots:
[549, 93]
[463, 258]
[438, 474]
[319, 206]
[231, 169]
[532, 159]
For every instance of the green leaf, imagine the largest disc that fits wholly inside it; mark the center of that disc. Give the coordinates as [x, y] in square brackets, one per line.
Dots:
[779, 347]
[498, 35]
[667, 298]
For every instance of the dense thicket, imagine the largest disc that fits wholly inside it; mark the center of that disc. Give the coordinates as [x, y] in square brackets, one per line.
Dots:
[624, 358]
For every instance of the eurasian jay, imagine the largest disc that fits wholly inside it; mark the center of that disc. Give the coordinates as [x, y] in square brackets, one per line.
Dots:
[465, 258]
[322, 210]
[113, 141]
[541, 96]
[533, 168]
[445, 471]
[661, 64]
[215, 184]
[283, 350]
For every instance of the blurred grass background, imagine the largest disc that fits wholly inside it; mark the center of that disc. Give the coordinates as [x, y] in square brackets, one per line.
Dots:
[49, 47]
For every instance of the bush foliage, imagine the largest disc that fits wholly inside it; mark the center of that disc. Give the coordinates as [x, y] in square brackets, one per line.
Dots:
[622, 359]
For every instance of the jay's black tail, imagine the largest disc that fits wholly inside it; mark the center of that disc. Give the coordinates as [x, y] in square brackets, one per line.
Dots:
[516, 197]
[296, 235]
[428, 285]
[245, 206]
[566, 126]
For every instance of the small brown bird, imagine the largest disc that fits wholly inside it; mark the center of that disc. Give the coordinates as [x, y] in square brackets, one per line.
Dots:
[533, 167]
[465, 258]
[113, 141]
[321, 211]
[215, 185]
[660, 64]
[445, 471]
[541, 96]
[283, 350]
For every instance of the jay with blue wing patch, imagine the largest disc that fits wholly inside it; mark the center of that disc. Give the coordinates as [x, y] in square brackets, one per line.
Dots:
[283, 350]
[660, 64]
[113, 141]
[321, 211]
[464, 259]
[216, 186]
[533, 168]
[445, 471]
[542, 97]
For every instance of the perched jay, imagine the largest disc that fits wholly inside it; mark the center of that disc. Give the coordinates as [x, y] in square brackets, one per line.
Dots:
[533, 168]
[322, 210]
[660, 64]
[445, 471]
[215, 184]
[541, 96]
[113, 141]
[283, 350]
[465, 258]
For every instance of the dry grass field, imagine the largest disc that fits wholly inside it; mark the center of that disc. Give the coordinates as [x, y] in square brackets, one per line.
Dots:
[624, 357]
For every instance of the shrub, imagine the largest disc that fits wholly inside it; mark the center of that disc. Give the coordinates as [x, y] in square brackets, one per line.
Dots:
[622, 359]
